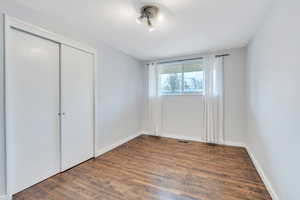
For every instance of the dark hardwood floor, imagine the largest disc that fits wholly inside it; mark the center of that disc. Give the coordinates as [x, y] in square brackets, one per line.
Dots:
[150, 168]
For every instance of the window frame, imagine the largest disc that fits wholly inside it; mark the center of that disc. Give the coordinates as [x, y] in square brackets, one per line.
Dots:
[182, 93]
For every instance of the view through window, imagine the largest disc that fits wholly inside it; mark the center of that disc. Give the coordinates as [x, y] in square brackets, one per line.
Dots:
[181, 79]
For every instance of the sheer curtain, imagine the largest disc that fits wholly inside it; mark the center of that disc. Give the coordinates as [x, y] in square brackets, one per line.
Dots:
[212, 131]
[213, 100]
[155, 100]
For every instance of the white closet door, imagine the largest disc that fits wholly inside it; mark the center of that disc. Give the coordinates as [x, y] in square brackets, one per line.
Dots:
[32, 101]
[77, 106]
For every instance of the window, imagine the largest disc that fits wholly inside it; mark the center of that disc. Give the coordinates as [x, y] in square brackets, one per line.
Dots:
[182, 79]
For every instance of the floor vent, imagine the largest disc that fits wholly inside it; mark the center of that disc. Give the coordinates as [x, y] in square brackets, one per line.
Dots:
[183, 141]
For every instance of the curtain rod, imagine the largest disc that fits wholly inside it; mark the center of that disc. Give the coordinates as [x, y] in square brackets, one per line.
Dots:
[191, 59]
[222, 55]
[172, 61]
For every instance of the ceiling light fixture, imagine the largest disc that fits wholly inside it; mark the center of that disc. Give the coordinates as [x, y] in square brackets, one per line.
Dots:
[148, 16]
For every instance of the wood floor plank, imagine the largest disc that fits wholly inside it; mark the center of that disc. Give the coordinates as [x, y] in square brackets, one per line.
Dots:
[152, 168]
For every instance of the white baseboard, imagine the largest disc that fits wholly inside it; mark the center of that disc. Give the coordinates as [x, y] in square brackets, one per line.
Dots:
[115, 145]
[6, 197]
[234, 144]
[182, 137]
[262, 175]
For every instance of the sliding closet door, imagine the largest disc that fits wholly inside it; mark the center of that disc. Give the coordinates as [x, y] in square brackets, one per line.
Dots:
[32, 106]
[77, 106]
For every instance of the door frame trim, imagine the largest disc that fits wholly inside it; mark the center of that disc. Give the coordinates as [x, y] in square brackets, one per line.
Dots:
[10, 22]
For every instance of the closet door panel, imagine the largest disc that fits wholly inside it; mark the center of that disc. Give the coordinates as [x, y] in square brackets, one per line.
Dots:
[32, 79]
[77, 106]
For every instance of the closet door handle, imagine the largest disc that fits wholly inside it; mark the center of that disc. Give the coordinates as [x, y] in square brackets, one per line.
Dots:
[62, 114]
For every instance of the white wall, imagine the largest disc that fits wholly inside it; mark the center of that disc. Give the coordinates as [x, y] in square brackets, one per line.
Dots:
[119, 90]
[121, 96]
[2, 143]
[274, 99]
[235, 94]
[182, 115]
